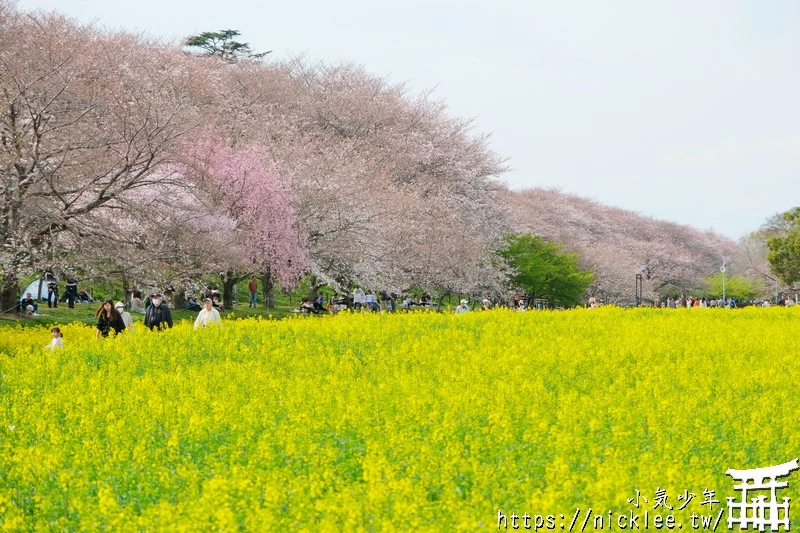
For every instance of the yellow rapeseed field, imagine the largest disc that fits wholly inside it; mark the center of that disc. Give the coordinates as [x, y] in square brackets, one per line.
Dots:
[370, 422]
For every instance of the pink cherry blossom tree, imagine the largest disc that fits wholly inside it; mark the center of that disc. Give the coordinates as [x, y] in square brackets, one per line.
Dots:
[397, 192]
[247, 211]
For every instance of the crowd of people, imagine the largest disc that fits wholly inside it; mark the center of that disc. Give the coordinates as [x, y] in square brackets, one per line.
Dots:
[190, 304]
[73, 294]
[112, 316]
[157, 314]
[364, 301]
[690, 301]
[727, 303]
[384, 301]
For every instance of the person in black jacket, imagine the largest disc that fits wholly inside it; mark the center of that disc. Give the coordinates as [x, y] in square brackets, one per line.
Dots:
[108, 319]
[29, 302]
[52, 290]
[71, 293]
[157, 315]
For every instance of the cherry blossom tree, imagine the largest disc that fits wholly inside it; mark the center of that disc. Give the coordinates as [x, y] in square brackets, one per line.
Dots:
[247, 211]
[85, 119]
[397, 193]
[616, 244]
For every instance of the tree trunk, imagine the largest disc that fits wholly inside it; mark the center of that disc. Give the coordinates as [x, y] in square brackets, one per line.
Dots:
[9, 292]
[444, 295]
[229, 281]
[127, 291]
[42, 288]
[269, 288]
[316, 285]
[179, 298]
[313, 294]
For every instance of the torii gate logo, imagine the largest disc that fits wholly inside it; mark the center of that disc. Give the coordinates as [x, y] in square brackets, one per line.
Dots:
[758, 511]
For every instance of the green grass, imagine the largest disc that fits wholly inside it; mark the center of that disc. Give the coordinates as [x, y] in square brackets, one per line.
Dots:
[84, 313]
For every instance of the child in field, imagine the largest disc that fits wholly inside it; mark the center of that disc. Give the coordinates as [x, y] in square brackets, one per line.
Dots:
[58, 340]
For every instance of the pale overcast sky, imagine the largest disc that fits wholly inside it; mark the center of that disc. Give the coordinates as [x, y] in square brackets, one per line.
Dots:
[682, 110]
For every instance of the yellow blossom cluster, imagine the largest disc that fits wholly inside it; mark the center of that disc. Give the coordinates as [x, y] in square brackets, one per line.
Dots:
[420, 421]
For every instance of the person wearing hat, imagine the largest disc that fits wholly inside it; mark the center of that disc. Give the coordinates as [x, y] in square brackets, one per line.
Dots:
[463, 308]
[208, 315]
[157, 315]
[126, 316]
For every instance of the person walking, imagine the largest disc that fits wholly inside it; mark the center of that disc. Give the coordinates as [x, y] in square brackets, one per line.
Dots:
[358, 298]
[463, 308]
[208, 315]
[371, 302]
[252, 286]
[108, 319]
[126, 316]
[157, 315]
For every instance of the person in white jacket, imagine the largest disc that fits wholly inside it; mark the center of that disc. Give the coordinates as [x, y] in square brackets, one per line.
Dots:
[57, 342]
[358, 299]
[208, 315]
[126, 316]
